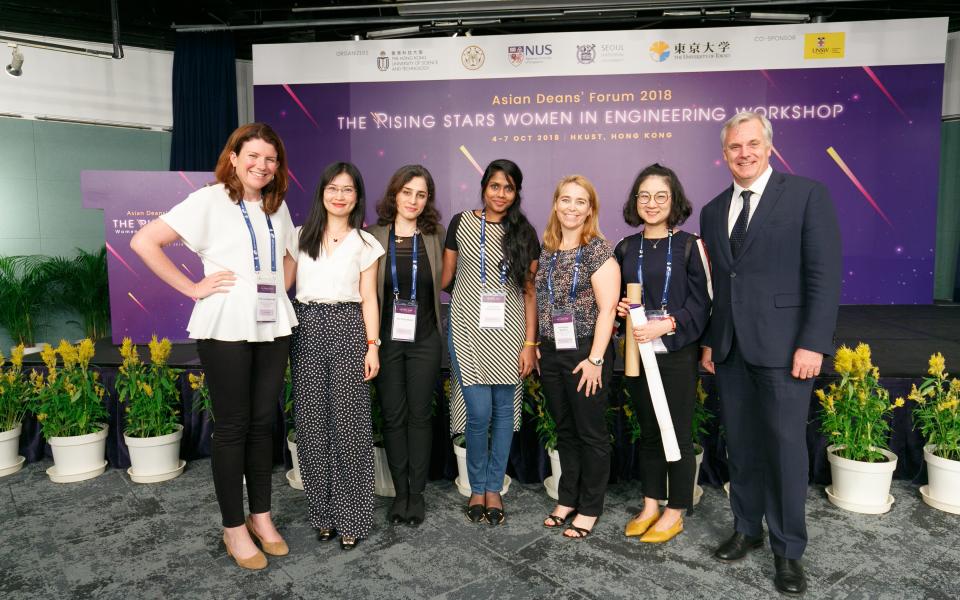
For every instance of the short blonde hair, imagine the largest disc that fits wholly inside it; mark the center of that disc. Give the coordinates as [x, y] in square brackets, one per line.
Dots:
[552, 236]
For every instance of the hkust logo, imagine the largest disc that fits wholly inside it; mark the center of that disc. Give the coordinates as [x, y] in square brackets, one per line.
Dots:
[529, 54]
[824, 45]
[659, 51]
[383, 61]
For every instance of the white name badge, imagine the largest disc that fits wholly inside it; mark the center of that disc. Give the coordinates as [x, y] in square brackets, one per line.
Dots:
[493, 311]
[640, 317]
[564, 330]
[404, 321]
[266, 298]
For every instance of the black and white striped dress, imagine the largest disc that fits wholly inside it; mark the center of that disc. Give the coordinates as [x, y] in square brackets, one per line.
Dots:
[485, 356]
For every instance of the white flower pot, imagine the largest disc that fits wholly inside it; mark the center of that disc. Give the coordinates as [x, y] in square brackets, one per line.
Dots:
[78, 457]
[943, 476]
[10, 461]
[861, 487]
[551, 483]
[463, 480]
[382, 480]
[154, 459]
[697, 490]
[293, 475]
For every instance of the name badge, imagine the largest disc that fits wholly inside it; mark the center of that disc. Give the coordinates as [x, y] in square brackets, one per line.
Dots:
[404, 321]
[658, 315]
[493, 311]
[266, 298]
[564, 330]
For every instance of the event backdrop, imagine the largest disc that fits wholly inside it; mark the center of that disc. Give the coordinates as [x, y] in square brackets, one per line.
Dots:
[854, 105]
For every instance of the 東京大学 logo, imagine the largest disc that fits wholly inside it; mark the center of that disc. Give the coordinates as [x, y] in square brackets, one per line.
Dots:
[659, 51]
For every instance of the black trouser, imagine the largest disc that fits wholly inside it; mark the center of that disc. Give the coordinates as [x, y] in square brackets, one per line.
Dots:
[678, 370]
[405, 387]
[583, 440]
[245, 381]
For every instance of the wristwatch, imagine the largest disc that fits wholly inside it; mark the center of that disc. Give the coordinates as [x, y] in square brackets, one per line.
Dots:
[595, 361]
[375, 342]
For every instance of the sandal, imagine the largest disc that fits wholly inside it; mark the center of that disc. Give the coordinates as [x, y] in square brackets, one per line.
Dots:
[579, 531]
[326, 534]
[476, 513]
[557, 521]
[347, 542]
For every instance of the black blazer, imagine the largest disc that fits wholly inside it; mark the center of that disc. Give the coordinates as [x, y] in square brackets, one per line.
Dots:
[687, 300]
[783, 291]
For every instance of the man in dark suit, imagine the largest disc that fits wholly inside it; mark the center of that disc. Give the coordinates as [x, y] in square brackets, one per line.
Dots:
[774, 247]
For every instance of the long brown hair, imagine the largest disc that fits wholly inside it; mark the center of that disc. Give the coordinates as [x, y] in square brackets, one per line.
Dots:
[275, 191]
[552, 236]
[429, 218]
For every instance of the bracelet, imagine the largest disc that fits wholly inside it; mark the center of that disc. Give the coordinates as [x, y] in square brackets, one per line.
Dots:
[527, 343]
[674, 322]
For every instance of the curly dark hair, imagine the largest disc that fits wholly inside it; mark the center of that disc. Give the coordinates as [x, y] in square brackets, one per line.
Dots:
[387, 207]
[680, 208]
[518, 250]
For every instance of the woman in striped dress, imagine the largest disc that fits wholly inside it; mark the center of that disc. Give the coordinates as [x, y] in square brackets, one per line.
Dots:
[491, 255]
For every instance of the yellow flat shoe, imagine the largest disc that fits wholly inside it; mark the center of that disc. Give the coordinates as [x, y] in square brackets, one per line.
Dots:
[273, 548]
[654, 536]
[639, 526]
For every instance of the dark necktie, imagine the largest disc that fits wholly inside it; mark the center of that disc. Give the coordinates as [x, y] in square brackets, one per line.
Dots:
[739, 232]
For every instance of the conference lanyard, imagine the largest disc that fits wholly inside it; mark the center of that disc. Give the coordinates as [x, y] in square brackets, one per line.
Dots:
[483, 254]
[253, 241]
[666, 280]
[393, 266]
[576, 276]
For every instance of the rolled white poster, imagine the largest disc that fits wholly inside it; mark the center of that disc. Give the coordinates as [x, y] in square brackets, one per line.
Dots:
[657, 394]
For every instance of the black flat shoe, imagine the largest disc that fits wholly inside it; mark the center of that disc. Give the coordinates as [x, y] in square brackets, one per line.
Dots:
[737, 547]
[326, 534]
[790, 578]
[476, 513]
[398, 510]
[415, 510]
[348, 543]
[496, 516]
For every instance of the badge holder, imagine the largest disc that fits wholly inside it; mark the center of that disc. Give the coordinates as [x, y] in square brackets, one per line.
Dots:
[266, 298]
[404, 321]
[493, 310]
[658, 315]
[564, 329]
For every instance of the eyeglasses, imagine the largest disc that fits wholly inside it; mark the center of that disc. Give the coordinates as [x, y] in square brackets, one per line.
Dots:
[333, 190]
[659, 197]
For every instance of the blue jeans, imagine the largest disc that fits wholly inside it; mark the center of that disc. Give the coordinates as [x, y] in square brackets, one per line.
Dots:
[489, 430]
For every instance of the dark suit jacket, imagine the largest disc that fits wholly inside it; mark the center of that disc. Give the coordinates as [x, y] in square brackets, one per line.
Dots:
[434, 245]
[782, 292]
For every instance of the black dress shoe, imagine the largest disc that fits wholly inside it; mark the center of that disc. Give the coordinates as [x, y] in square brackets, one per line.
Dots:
[737, 546]
[326, 534]
[415, 510]
[790, 578]
[398, 510]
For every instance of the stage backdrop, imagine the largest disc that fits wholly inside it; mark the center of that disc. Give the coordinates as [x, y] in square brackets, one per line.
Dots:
[854, 105]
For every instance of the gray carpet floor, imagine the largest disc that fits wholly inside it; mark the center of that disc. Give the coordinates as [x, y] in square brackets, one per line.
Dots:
[111, 538]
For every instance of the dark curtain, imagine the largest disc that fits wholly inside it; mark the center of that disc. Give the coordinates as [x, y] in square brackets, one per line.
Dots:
[204, 99]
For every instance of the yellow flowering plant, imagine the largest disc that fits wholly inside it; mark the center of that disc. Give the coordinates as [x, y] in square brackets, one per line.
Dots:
[201, 394]
[854, 409]
[148, 390]
[935, 409]
[69, 398]
[701, 416]
[15, 390]
[535, 404]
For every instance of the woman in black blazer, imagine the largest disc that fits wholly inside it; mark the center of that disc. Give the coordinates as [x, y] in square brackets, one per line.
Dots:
[678, 306]
[408, 226]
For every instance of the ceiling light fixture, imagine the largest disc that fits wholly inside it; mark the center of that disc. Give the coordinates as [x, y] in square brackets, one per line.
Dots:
[15, 68]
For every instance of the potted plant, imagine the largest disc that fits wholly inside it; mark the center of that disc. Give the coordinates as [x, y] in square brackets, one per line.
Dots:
[936, 412]
[24, 283]
[14, 396]
[293, 475]
[382, 479]
[535, 404]
[80, 284]
[153, 429]
[854, 419]
[69, 408]
[460, 451]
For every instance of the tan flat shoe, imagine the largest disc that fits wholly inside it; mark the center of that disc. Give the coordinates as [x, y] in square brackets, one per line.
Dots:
[637, 526]
[654, 536]
[254, 563]
[273, 548]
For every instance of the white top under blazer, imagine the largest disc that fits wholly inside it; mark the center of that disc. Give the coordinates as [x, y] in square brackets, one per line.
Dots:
[210, 224]
[335, 276]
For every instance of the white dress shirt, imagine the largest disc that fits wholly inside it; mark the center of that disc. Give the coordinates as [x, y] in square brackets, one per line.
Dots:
[736, 203]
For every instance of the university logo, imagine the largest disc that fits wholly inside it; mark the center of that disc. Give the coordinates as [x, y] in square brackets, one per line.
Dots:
[824, 45]
[586, 54]
[515, 54]
[472, 57]
[659, 51]
[383, 61]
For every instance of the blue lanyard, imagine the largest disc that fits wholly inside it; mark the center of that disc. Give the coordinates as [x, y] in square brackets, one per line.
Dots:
[483, 254]
[393, 267]
[253, 240]
[666, 279]
[576, 276]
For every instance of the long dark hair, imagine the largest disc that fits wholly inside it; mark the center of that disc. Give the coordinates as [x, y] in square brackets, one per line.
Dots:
[387, 207]
[519, 249]
[680, 208]
[311, 235]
